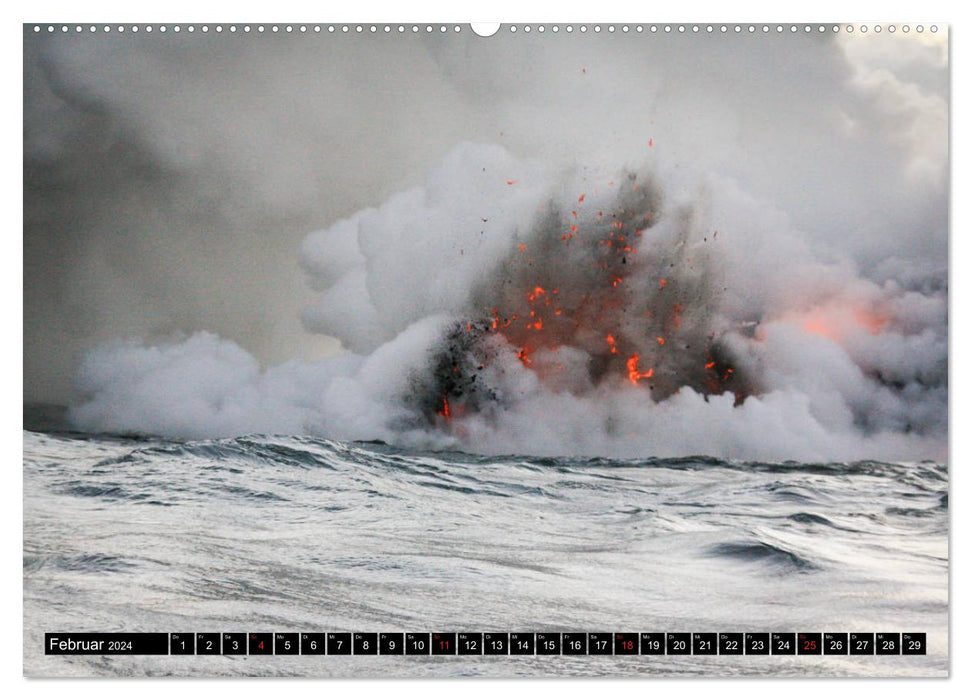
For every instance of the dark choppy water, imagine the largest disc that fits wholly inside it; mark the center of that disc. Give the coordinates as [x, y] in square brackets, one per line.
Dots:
[304, 534]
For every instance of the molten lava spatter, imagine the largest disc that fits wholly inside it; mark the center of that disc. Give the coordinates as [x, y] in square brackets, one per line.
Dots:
[612, 344]
[632, 372]
[585, 293]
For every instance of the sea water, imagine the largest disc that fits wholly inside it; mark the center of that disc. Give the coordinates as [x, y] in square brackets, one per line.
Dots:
[302, 534]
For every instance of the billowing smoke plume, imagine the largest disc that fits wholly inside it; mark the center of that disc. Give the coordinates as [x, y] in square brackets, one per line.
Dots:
[506, 307]
[629, 245]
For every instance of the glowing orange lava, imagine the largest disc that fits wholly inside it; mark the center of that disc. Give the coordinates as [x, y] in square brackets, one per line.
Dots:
[446, 411]
[580, 317]
[834, 321]
[632, 372]
[612, 343]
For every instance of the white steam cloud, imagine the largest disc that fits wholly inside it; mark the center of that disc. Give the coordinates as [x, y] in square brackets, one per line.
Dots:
[779, 304]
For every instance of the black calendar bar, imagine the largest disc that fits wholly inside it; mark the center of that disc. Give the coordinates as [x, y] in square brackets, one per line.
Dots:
[507, 644]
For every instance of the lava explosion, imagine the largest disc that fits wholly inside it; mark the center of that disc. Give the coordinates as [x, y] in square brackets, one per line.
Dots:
[594, 294]
[505, 306]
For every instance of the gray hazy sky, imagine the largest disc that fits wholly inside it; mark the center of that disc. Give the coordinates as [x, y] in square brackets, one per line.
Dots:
[170, 179]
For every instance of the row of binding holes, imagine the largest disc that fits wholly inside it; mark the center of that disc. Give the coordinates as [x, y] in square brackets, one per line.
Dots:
[428, 28]
[723, 28]
[257, 28]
